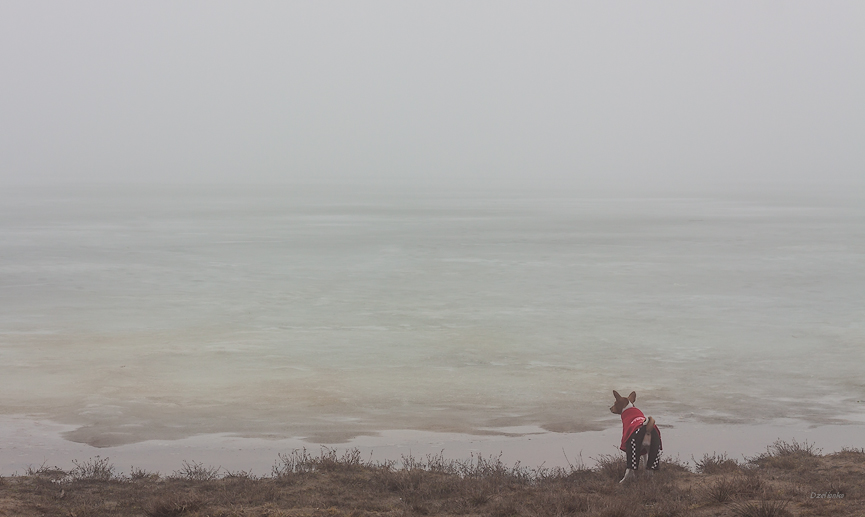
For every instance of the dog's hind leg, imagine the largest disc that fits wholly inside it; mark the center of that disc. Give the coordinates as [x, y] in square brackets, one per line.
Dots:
[654, 458]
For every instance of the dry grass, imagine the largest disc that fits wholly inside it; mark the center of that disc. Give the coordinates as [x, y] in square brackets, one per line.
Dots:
[762, 508]
[790, 479]
[787, 455]
[716, 463]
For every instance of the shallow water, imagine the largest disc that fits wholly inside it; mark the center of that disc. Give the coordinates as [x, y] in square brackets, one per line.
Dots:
[325, 314]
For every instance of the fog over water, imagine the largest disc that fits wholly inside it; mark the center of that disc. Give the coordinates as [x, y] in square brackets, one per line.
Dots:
[319, 313]
[327, 219]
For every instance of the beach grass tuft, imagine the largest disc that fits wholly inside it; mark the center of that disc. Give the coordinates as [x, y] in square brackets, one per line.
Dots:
[790, 455]
[196, 472]
[715, 463]
[93, 469]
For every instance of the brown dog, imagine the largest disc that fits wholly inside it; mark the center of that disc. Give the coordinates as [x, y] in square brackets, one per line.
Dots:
[641, 438]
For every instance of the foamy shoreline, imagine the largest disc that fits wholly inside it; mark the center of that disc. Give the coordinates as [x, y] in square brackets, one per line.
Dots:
[27, 442]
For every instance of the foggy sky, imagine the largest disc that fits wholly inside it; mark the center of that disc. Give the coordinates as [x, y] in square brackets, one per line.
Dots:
[475, 93]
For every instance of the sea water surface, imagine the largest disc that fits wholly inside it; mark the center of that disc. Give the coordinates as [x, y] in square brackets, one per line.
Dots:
[324, 313]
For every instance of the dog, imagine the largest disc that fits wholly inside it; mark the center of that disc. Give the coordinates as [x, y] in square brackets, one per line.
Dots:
[641, 438]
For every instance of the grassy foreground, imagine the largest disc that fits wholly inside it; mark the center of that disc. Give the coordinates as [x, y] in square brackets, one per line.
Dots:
[788, 479]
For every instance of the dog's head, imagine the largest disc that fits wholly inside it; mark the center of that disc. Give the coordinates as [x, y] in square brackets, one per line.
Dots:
[622, 402]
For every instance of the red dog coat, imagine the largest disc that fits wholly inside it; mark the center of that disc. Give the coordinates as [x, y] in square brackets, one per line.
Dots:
[632, 419]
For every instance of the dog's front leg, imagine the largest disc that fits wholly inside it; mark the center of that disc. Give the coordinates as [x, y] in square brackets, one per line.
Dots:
[629, 474]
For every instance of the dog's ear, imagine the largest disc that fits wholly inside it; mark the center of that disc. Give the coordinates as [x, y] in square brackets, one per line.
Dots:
[616, 394]
[632, 397]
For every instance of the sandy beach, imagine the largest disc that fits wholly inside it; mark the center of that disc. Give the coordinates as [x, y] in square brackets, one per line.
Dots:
[31, 443]
[788, 478]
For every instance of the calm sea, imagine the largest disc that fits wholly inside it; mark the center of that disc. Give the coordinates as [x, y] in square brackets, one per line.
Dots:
[328, 313]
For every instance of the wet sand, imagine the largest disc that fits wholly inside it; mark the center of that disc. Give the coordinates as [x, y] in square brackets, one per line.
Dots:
[26, 442]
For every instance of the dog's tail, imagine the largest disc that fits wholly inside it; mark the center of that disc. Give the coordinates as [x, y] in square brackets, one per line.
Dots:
[650, 424]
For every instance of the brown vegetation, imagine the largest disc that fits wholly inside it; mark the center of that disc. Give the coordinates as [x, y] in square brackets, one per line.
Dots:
[789, 479]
